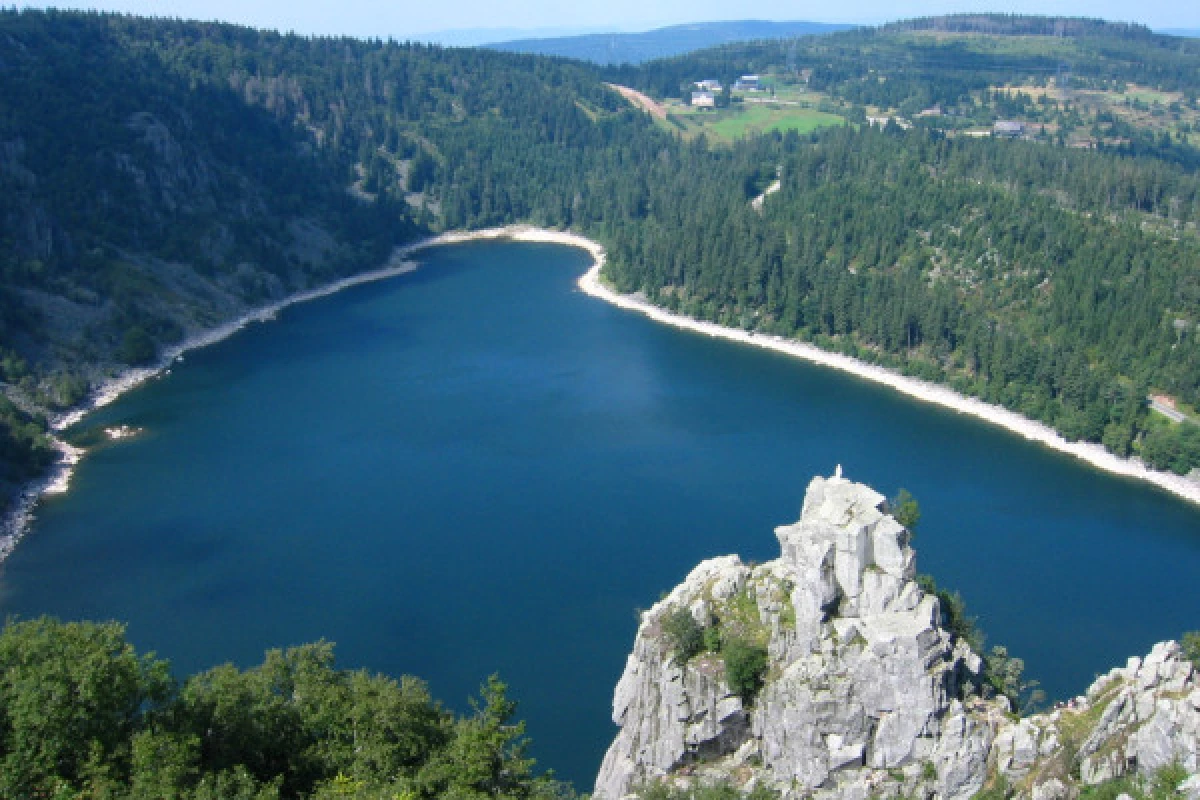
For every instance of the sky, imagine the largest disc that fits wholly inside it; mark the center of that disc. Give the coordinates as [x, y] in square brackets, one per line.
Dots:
[411, 19]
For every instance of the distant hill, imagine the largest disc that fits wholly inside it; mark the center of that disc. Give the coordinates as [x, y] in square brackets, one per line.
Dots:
[1022, 25]
[1191, 33]
[636, 48]
[942, 60]
[475, 37]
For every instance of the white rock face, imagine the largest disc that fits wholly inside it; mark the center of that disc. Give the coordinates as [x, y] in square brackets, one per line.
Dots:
[865, 694]
[1150, 717]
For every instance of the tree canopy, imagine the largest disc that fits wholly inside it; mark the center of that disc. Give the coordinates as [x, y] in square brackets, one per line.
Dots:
[83, 714]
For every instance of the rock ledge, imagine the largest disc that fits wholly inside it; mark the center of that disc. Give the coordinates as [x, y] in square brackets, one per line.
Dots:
[865, 694]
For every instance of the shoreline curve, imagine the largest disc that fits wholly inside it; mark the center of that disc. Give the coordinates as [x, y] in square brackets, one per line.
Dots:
[16, 521]
[1089, 452]
[57, 481]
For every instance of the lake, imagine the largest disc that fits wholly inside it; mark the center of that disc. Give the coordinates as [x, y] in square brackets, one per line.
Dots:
[475, 468]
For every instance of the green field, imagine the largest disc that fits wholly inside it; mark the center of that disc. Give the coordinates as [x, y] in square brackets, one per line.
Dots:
[744, 120]
[765, 118]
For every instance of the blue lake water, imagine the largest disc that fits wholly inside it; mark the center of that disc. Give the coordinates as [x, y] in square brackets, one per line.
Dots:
[475, 468]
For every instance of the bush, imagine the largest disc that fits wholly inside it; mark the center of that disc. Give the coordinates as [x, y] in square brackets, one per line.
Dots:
[905, 509]
[996, 789]
[954, 613]
[1004, 674]
[1166, 781]
[683, 634]
[1161, 785]
[745, 667]
[1191, 647]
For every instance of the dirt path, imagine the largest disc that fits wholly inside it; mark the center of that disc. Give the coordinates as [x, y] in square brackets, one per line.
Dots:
[641, 101]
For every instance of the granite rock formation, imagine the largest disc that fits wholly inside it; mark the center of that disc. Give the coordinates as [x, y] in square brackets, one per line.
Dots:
[865, 693]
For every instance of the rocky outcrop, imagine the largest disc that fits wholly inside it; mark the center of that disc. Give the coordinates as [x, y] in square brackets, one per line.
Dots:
[1138, 718]
[864, 693]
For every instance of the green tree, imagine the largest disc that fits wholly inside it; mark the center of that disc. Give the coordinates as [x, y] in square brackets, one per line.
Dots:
[82, 714]
[1190, 642]
[487, 755]
[163, 764]
[745, 667]
[683, 634]
[71, 698]
[905, 509]
[1004, 674]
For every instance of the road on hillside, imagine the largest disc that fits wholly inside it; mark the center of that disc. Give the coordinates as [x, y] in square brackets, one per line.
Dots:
[640, 100]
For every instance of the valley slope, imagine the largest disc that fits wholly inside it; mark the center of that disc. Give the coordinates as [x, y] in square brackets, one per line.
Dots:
[162, 177]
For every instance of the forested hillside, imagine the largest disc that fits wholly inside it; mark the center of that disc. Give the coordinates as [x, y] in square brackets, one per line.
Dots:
[1055, 274]
[159, 177]
[1014, 272]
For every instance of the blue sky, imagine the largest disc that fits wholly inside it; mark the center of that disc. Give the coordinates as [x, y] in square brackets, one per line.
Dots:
[402, 19]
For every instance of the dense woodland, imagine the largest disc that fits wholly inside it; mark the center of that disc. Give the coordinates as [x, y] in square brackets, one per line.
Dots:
[160, 176]
[978, 263]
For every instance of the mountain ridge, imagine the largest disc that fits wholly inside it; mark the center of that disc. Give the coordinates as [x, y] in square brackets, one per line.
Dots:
[673, 40]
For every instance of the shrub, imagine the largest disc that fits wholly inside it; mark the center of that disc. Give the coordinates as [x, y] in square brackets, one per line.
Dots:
[1166, 781]
[745, 667]
[905, 509]
[954, 612]
[1003, 674]
[684, 635]
[996, 789]
[1191, 647]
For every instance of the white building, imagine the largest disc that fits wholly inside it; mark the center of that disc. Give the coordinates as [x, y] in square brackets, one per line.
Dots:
[1008, 127]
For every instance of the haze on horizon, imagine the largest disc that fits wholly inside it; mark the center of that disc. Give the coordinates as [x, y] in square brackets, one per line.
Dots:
[516, 18]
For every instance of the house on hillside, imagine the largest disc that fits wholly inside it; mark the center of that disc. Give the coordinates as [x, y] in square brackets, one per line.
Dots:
[1008, 127]
[882, 122]
[704, 100]
[709, 85]
[748, 83]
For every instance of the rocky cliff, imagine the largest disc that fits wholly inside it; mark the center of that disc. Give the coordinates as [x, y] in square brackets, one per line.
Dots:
[863, 692]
